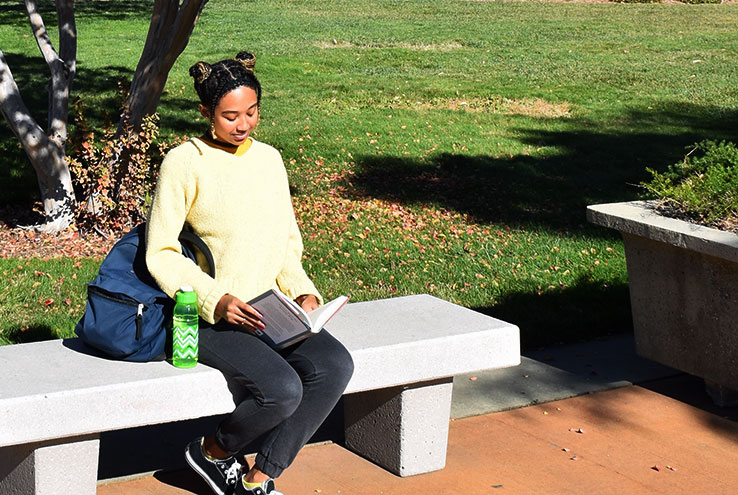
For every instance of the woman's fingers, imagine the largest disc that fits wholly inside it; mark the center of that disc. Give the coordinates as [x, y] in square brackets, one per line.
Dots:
[236, 312]
[308, 302]
[249, 317]
[250, 324]
[249, 310]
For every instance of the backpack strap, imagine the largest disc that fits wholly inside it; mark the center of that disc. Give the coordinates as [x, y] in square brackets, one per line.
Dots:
[190, 241]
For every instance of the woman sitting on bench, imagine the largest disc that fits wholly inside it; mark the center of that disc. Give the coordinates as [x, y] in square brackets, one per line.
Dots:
[233, 191]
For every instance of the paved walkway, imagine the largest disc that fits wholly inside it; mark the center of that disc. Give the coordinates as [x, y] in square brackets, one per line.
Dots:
[662, 435]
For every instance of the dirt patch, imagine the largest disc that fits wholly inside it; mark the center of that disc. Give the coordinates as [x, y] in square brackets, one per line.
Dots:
[537, 108]
[19, 242]
[529, 107]
[421, 47]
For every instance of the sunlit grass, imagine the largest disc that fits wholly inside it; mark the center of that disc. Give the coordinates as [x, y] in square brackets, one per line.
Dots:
[441, 147]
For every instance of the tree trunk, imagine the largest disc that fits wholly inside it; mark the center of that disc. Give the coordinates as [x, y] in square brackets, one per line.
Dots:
[45, 155]
[63, 69]
[169, 32]
[46, 151]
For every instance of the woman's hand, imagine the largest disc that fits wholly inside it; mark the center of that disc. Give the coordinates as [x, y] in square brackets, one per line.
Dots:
[308, 302]
[236, 312]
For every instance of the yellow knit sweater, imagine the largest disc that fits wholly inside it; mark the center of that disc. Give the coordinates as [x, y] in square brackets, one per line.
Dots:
[239, 204]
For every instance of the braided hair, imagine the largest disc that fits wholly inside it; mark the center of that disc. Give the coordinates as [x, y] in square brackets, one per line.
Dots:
[213, 82]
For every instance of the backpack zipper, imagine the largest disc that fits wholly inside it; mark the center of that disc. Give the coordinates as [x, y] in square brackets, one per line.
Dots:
[127, 300]
[139, 321]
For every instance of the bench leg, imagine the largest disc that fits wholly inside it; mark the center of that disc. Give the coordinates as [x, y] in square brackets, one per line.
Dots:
[61, 467]
[403, 429]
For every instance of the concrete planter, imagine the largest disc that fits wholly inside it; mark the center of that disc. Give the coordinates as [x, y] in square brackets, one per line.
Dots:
[683, 281]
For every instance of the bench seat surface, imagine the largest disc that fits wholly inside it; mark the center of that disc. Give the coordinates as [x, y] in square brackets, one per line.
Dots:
[49, 391]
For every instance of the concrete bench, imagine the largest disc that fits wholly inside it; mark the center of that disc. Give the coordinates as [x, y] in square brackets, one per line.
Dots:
[54, 401]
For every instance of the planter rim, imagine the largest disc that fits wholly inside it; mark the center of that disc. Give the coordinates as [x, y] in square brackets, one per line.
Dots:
[639, 218]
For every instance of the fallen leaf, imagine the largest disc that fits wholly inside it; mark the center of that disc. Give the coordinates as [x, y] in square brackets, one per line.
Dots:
[574, 458]
[577, 430]
[48, 302]
[656, 468]
[565, 449]
[473, 379]
[671, 468]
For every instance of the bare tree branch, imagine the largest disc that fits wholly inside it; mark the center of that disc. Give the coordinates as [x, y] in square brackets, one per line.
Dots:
[63, 71]
[46, 150]
[39, 32]
[29, 133]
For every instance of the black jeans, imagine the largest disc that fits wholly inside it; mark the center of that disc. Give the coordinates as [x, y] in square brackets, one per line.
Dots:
[286, 394]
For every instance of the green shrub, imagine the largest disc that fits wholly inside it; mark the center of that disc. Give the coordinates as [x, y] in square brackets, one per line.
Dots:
[110, 202]
[702, 188]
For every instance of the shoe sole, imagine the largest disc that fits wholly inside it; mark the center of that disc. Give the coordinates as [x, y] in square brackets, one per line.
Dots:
[202, 474]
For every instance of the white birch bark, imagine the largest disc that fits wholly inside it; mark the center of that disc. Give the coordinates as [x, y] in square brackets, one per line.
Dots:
[46, 149]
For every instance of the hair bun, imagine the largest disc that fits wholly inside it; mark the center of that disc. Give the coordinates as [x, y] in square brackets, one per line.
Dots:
[200, 71]
[247, 60]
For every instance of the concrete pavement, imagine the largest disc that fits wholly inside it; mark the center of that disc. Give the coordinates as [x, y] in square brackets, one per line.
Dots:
[568, 420]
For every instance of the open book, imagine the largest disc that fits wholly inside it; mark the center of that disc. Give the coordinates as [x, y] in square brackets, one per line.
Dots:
[286, 322]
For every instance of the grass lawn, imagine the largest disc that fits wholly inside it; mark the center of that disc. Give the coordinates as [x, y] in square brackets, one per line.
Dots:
[442, 147]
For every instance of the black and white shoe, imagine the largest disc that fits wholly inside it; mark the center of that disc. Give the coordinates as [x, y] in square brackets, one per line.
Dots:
[220, 474]
[266, 488]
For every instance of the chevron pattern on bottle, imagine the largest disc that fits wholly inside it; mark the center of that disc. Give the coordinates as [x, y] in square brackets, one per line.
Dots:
[185, 343]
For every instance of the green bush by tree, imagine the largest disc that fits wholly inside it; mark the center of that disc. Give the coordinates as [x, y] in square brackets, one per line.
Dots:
[703, 187]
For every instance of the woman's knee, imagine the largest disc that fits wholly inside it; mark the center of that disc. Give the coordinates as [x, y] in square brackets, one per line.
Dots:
[283, 395]
[337, 367]
[345, 365]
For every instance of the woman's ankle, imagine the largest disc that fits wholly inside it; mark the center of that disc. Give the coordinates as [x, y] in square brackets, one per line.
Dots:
[211, 449]
[255, 475]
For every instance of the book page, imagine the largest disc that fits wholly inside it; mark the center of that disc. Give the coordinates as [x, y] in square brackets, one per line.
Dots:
[296, 308]
[320, 316]
[280, 319]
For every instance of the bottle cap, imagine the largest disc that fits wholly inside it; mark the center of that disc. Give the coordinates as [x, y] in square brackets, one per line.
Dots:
[186, 295]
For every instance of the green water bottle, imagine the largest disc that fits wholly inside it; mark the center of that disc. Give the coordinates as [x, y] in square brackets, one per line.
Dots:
[184, 326]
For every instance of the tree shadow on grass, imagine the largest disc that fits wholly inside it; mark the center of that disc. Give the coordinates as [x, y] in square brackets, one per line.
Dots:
[33, 333]
[584, 309]
[13, 13]
[551, 193]
[547, 192]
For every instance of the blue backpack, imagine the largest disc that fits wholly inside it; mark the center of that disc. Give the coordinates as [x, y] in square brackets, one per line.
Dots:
[127, 315]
